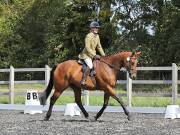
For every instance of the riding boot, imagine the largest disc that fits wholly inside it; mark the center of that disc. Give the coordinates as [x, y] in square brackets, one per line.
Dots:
[85, 74]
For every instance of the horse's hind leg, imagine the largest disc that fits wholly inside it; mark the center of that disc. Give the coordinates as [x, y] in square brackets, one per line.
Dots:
[77, 93]
[106, 100]
[55, 96]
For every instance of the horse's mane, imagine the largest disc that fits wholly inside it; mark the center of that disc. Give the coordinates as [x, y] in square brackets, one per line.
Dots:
[116, 53]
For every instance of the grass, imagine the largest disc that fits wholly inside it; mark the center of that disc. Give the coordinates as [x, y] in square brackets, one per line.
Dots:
[23, 87]
[136, 101]
[17, 100]
[94, 100]
[151, 101]
[98, 101]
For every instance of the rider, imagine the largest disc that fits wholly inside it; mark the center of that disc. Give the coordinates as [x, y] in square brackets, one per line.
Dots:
[92, 43]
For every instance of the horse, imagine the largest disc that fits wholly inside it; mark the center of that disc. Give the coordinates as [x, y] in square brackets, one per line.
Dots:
[69, 74]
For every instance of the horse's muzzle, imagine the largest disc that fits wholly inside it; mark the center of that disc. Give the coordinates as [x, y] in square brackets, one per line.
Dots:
[133, 75]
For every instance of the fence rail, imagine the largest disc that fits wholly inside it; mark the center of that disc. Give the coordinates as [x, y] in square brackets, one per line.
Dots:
[129, 83]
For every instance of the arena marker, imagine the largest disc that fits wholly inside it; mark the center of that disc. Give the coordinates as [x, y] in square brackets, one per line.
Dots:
[72, 109]
[172, 112]
[178, 113]
[32, 99]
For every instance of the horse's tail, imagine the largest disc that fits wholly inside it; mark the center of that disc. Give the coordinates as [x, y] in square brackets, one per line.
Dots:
[43, 97]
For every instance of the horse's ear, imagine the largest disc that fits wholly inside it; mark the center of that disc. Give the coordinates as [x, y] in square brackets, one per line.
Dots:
[133, 53]
[137, 54]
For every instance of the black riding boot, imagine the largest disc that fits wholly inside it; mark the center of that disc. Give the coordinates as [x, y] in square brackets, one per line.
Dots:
[92, 72]
[85, 74]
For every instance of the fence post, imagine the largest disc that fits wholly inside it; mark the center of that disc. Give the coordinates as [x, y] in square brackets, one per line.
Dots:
[129, 90]
[11, 85]
[174, 83]
[86, 98]
[47, 74]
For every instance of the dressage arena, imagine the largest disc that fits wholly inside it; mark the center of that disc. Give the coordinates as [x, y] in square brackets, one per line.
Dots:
[17, 123]
[110, 123]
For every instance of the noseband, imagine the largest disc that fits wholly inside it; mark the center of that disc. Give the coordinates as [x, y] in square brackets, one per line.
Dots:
[129, 59]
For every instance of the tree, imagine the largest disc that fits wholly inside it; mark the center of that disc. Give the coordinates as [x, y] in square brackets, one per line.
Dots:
[81, 14]
[39, 32]
[167, 36]
[176, 3]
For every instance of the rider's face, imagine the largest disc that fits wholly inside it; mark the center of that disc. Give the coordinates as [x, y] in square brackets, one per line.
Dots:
[95, 30]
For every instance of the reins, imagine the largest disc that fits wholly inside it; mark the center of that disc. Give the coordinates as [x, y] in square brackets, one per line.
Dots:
[110, 65]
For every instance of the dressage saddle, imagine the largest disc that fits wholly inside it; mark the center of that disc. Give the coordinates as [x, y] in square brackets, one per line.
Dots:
[87, 72]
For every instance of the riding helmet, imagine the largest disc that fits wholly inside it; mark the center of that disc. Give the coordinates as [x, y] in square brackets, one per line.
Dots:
[94, 24]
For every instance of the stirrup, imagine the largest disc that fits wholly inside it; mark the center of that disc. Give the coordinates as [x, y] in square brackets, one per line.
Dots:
[93, 72]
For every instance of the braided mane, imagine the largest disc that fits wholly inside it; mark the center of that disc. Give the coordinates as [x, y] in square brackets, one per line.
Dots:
[116, 53]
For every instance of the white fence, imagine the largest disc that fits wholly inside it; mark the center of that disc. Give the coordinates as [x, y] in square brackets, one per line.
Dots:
[174, 82]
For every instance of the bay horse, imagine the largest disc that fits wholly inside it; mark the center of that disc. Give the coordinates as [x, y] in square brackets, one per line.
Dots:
[69, 74]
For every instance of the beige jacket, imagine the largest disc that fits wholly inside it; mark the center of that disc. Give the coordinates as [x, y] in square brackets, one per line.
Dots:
[92, 43]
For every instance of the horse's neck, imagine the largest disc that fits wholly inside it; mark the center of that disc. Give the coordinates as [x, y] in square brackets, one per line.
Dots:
[119, 58]
[115, 62]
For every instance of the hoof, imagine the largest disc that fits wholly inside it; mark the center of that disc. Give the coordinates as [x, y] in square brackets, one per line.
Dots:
[93, 119]
[46, 119]
[129, 117]
[86, 116]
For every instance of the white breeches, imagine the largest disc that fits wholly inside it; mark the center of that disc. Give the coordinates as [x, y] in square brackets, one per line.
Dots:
[88, 61]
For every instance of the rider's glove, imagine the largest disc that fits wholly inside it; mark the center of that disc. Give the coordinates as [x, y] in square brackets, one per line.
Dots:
[97, 57]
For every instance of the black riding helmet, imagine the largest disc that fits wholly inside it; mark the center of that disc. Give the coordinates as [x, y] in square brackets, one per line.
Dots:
[94, 24]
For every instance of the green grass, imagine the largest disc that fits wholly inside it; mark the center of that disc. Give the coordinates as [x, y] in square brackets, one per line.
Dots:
[98, 101]
[21, 100]
[23, 87]
[136, 101]
[151, 101]
[94, 100]
[63, 100]
[17, 100]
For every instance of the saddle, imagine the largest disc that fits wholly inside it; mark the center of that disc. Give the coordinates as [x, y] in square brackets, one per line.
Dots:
[92, 72]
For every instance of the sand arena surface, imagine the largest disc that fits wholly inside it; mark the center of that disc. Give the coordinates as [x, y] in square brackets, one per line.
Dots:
[17, 123]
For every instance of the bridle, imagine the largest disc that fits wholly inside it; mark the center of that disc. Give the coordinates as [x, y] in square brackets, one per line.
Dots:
[129, 59]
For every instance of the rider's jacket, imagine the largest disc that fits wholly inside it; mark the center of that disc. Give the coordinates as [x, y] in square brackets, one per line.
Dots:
[92, 43]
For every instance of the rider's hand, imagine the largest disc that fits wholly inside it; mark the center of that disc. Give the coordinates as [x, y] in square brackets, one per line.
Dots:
[97, 57]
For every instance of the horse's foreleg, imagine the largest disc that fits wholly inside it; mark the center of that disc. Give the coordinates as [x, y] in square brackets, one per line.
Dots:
[112, 93]
[123, 106]
[52, 102]
[106, 100]
[77, 93]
